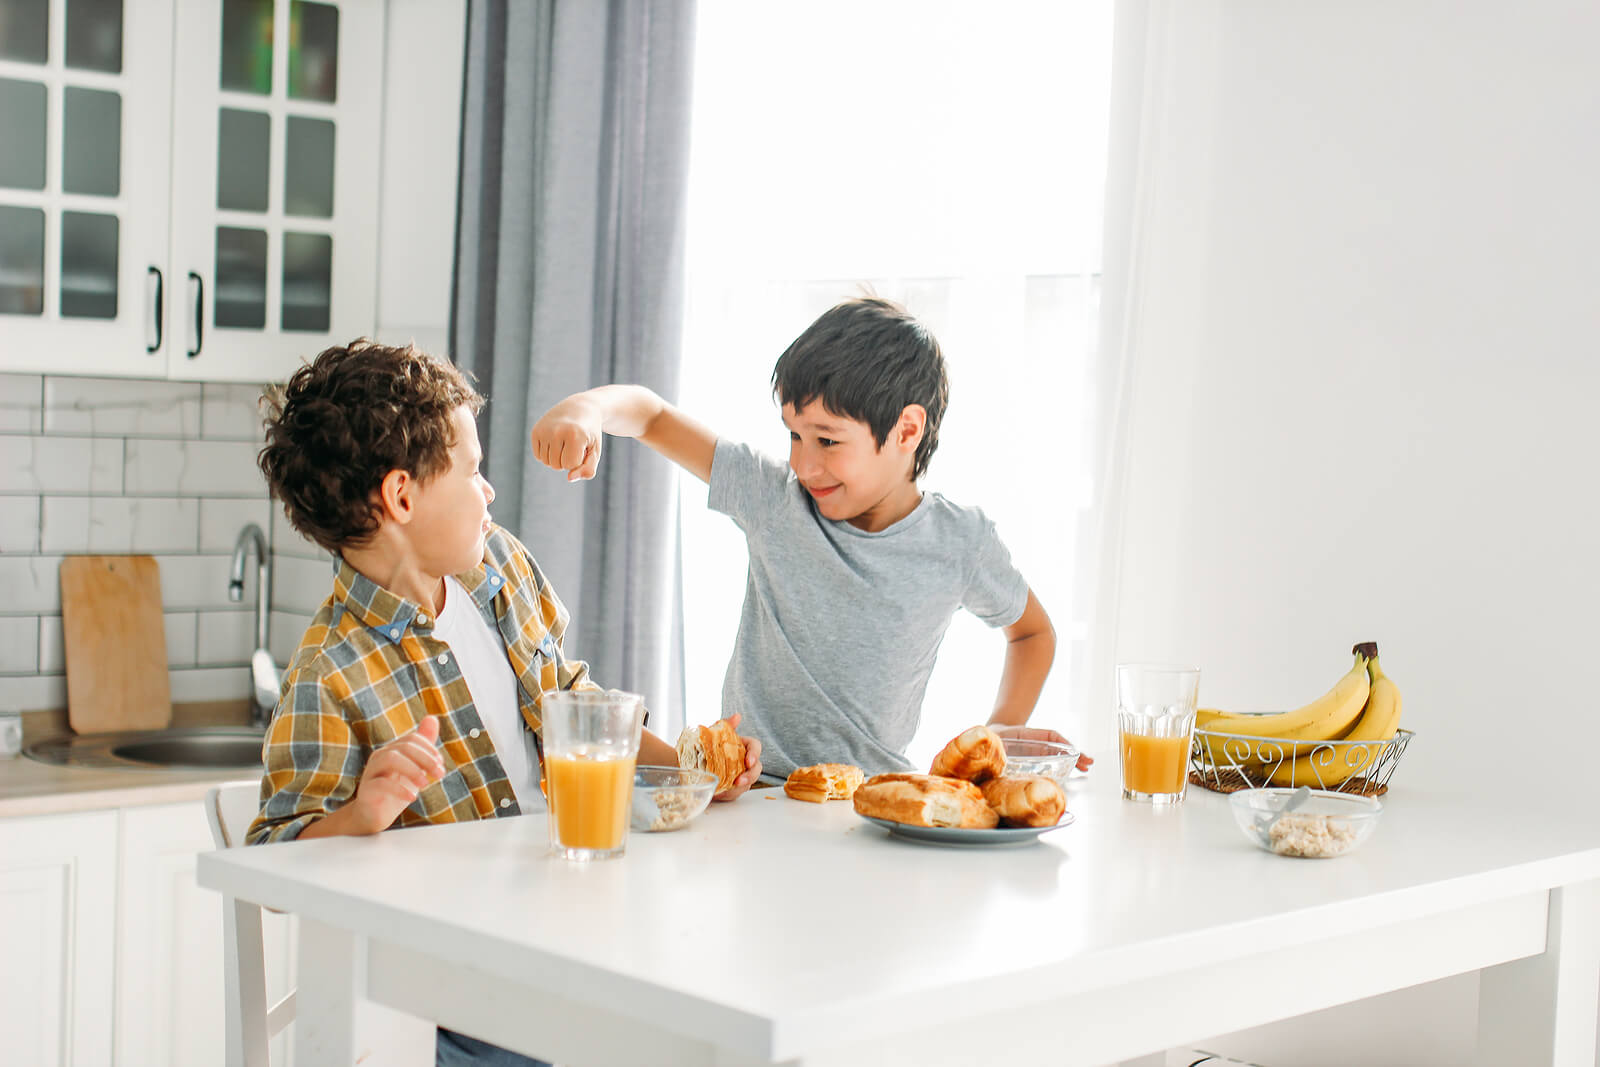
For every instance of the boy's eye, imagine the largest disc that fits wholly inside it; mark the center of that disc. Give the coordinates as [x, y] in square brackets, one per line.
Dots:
[826, 442]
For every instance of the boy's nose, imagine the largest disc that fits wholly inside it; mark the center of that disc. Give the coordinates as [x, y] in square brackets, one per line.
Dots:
[488, 492]
[804, 464]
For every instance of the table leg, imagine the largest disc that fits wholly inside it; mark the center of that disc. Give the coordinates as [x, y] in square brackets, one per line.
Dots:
[335, 1023]
[325, 995]
[1542, 1009]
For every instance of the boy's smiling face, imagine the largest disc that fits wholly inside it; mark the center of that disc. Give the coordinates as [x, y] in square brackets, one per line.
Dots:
[848, 477]
[452, 507]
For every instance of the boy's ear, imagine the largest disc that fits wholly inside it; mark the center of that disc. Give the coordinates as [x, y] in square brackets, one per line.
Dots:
[907, 432]
[397, 495]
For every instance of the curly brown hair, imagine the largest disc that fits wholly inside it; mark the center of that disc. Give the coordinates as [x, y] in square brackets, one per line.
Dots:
[344, 421]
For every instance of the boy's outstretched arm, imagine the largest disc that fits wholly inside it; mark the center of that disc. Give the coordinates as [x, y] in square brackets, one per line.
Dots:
[568, 437]
[1030, 649]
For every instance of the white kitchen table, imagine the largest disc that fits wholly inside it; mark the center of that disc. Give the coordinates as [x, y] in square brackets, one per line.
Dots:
[772, 931]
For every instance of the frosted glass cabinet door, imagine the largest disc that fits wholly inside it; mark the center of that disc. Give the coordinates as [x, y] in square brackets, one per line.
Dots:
[275, 182]
[85, 120]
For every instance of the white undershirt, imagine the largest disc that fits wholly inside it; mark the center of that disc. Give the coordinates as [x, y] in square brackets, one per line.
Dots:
[481, 653]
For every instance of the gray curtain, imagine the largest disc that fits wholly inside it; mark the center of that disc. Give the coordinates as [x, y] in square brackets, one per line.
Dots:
[569, 274]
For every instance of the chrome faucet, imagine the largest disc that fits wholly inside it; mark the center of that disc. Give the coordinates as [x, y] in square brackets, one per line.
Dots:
[263, 671]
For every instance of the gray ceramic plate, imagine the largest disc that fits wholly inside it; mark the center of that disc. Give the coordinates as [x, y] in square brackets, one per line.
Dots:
[949, 835]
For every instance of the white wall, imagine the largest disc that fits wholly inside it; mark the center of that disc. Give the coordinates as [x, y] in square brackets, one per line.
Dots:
[1352, 261]
[420, 163]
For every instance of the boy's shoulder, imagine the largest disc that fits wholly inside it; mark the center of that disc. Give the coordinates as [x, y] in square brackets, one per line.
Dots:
[968, 520]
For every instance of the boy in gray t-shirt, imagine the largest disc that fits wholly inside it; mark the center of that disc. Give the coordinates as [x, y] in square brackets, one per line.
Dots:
[855, 572]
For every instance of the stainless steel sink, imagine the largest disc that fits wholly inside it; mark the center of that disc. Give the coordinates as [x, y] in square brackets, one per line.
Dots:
[181, 747]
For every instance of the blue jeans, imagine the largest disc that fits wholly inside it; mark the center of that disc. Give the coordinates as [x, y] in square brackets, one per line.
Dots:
[458, 1050]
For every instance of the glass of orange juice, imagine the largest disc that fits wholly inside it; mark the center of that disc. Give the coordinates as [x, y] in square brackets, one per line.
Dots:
[1155, 725]
[591, 742]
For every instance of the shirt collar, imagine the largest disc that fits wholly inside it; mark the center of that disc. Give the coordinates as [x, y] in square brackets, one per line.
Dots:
[391, 615]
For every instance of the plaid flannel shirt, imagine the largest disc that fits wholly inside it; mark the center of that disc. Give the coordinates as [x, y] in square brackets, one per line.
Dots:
[369, 668]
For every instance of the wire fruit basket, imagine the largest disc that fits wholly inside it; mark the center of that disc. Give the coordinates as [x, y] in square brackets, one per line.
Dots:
[1224, 762]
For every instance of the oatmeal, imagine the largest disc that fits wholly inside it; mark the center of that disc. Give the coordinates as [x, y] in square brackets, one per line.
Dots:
[674, 808]
[1314, 836]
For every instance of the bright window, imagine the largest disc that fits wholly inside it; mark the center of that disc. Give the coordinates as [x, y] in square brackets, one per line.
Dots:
[951, 156]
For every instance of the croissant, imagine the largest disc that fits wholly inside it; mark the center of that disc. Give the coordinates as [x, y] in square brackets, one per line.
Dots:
[1025, 799]
[976, 754]
[924, 800]
[715, 748]
[824, 781]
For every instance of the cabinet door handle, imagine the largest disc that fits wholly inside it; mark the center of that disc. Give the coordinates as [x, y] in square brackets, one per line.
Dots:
[159, 302]
[199, 314]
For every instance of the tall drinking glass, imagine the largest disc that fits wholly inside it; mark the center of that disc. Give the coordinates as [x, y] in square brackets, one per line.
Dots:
[1155, 726]
[591, 742]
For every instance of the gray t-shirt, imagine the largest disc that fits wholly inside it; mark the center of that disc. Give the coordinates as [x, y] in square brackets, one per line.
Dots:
[840, 626]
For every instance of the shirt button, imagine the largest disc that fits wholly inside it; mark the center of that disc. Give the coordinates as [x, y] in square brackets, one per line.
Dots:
[394, 632]
[444, 657]
[505, 802]
[422, 620]
[474, 732]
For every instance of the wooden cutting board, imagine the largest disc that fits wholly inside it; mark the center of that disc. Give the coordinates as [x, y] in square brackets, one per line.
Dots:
[116, 644]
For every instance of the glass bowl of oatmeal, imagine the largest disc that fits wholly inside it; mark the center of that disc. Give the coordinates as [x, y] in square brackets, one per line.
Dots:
[668, 798]
[1324, 825]
[1052, 759]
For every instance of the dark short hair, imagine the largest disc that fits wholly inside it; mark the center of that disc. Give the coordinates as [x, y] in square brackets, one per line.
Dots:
[348, 418]
[867, 359]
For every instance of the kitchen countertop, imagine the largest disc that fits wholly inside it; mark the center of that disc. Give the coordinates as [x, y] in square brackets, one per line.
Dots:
[29, 787]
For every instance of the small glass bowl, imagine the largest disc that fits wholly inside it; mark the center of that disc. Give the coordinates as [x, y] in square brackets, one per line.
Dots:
[1327, 824]
[1052, 759]
[668, 798]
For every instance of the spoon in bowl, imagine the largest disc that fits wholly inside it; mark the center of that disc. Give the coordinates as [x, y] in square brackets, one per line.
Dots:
[1281, 806]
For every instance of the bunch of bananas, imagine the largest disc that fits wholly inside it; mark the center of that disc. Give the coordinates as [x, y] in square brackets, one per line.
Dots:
[1363, 705]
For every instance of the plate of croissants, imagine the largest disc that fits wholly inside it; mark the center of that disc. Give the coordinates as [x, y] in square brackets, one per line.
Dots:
[966, 798]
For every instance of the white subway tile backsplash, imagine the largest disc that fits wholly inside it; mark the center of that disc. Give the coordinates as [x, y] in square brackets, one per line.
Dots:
[180, 627]
[301, 585]
[213, 683]
[19, 644]
[32, 584]
[230, 412]
[143, 524]
[52, 645]
[21, 407]
[48, 464]
[158, 467]
[194, 582]
[119, 524]
[64, 524]
[226, 637]
[119, 407]
[33, 692]
[221, 521]
[19, 524]
[284, 630]
[105, 475]
[288, 541]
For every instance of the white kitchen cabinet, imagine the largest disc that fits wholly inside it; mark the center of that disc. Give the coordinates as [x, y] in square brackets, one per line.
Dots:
[190, 188]
[169, 1007]
[58, 886]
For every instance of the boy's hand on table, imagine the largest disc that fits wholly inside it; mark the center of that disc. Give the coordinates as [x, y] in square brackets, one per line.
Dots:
[568, 437]
[1039, 733]
[752, 764]
[394, 776]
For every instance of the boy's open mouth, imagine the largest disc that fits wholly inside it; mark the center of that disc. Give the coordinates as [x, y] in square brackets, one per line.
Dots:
[822, 492]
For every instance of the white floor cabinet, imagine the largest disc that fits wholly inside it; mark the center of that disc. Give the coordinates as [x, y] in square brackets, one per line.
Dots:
[112, 953]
